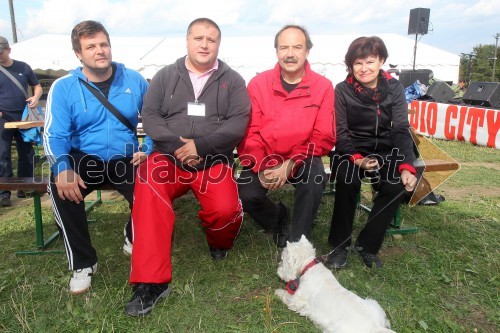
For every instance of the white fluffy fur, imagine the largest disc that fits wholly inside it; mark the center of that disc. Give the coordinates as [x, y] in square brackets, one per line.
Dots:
[322, 299]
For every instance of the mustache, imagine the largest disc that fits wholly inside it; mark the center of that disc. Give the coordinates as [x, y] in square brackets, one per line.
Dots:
[291, 60]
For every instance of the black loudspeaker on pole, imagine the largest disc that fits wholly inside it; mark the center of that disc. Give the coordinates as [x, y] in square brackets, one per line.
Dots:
[418, 25]
[419, 21]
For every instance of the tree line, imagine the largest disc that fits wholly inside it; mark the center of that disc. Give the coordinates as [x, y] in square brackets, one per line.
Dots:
[477, 66]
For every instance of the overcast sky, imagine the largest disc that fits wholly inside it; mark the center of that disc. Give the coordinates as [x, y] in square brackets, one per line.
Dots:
[455, 26]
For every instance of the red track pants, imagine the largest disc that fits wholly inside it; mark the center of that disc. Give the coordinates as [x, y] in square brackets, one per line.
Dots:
[159, 181]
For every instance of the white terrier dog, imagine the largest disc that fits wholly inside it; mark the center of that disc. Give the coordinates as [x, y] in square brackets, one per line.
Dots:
[315, 292]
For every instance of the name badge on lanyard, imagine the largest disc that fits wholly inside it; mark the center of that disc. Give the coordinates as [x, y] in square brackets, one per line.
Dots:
[196, 109]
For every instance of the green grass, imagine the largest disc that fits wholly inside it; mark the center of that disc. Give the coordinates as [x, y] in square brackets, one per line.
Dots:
[445, 278]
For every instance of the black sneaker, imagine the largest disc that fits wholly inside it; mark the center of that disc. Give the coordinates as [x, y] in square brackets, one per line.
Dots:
[218, 254]
[21, 194]
[145, 297]
[337, 259]
[4, 201]
[371, 260]
[280, 232]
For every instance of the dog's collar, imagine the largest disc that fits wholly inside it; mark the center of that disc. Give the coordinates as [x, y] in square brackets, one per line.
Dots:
[293, 285]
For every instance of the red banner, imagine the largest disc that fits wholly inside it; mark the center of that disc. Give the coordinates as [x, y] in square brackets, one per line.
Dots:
[474, 124]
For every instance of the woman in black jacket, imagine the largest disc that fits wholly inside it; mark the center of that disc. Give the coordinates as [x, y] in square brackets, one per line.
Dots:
[373, 141]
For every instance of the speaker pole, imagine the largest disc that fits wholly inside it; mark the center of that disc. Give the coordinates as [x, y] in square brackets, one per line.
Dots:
[495, 57]
[13, 22]
[415, 51]
[418, 24]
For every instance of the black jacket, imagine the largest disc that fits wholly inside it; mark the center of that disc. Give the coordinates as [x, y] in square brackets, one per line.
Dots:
[373, 129]
[216, 134]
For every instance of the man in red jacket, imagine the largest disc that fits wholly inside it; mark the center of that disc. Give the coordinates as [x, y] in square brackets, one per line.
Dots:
[196, 111]
[291, 128]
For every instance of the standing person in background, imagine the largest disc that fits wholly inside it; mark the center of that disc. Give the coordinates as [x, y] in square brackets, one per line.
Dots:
[291, 128]
[373, 140]
[196, 111]
[87, 145]
[13, 99]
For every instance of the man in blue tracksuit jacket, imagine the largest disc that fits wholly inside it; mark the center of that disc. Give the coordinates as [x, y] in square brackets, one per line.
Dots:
[87, 146]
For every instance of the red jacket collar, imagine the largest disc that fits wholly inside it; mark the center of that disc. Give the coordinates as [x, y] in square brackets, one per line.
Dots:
[306, 80]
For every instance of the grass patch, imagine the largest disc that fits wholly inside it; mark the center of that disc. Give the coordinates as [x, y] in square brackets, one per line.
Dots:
[445, 278]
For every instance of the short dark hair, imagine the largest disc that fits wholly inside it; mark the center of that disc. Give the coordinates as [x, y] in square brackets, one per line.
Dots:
[4, 43]
[206, 21]
[363, 47]
[309, 43]
[86, 29]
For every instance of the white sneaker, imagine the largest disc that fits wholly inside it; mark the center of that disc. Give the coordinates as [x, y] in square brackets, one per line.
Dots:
[80, 282]
[127, 245]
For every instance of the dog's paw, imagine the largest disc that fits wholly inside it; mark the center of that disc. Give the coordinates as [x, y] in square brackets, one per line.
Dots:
[281, 293]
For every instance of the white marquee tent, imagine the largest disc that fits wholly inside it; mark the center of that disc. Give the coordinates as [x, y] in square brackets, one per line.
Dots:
[52, 54]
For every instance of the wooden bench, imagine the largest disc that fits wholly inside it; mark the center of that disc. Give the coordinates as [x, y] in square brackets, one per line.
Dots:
[433, 163]
[37, 186]
[430, 165]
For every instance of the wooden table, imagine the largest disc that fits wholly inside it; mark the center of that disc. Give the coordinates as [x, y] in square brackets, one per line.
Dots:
[24, 124]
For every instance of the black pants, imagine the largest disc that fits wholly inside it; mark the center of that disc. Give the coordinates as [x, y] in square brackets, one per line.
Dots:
[385, 204]
[309, 182]
[71, 218]
[25, 154]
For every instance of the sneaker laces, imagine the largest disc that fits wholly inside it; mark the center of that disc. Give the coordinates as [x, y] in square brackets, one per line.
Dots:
[83, 272]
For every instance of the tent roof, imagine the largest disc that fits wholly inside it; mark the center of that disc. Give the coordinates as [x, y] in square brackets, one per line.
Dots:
[247, 55]
[55, 52]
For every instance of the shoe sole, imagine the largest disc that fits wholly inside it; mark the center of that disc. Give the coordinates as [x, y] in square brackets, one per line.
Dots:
[79, 292]
[148, 310]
